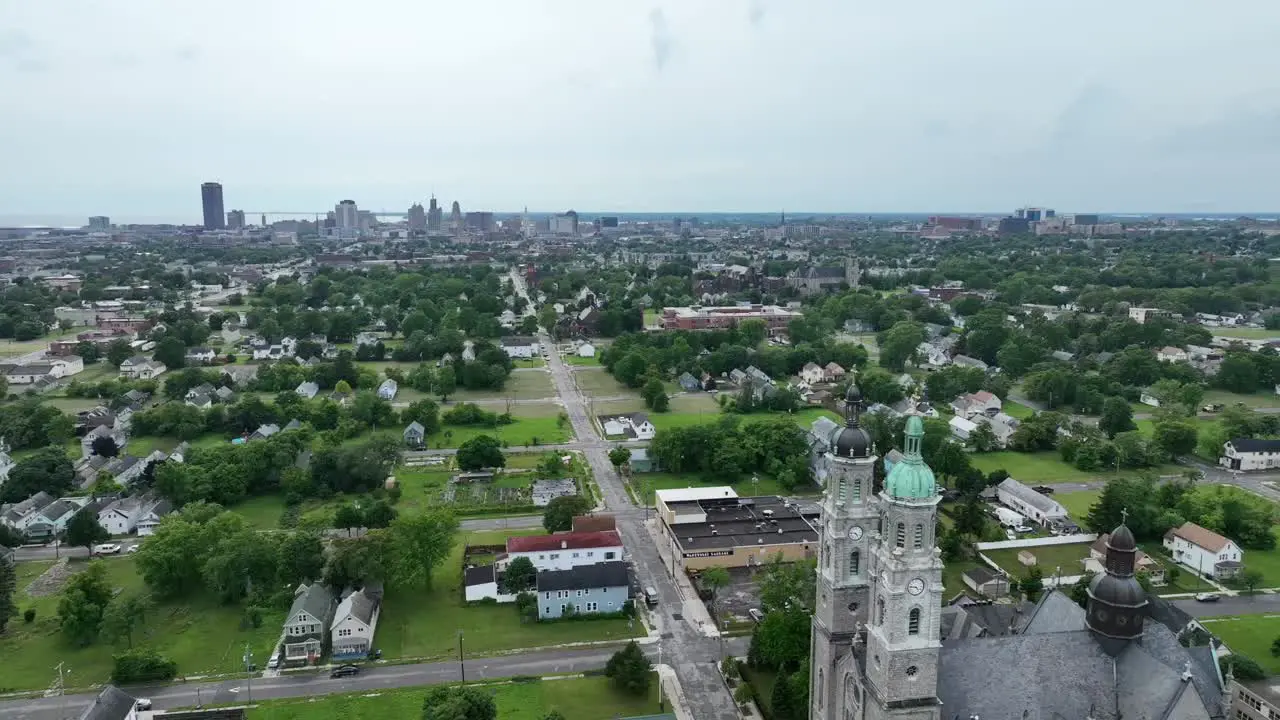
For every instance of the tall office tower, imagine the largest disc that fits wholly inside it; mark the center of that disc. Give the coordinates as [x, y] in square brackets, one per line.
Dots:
[417, 218]
[455, 216]
[211, 199]
[347, 215]
[99, 223]
[264, 220]
[435, 216]
[235, 220]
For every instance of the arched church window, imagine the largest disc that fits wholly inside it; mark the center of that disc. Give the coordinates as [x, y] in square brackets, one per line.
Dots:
[822, 688]
[918, 542]
[913, 622]
[826, 554]
[854, 559]
[842, 489]
[857, 491]
[902, 535]
[880, 611]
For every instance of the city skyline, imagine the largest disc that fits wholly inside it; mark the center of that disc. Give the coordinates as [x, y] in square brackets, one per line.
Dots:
[742, 106]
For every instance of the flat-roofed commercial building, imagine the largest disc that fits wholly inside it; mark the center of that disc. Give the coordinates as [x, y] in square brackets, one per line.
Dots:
[718, 318]
[712, 526]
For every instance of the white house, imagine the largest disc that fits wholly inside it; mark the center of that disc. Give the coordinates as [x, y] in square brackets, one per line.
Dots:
[307, 390]
[481, 583]
[962, 428]
[634, 426]
[520, 347]
[152, 516]
[121, 517]
[833, 372]
[354, 622]
[812, 373]
[387, 390]
[199, 355]
[1171, 354]
[586, 350]
[1041, 508]
[67, 366]
[932, 356]
[1148, 399]
[1141, 315]
[1250, 454]
[564, 550]
[979, 403]
[140, 367]
[1204, 551]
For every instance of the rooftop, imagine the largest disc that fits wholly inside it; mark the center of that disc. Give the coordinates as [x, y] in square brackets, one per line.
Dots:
[694, 494]
[741, 522]
[564, 541]
[597, 575]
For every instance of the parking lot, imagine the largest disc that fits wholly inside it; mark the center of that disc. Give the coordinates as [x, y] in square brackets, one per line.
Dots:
[740, 595]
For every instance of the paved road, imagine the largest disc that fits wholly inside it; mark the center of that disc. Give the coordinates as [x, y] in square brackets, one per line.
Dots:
[309, 683]
[49, 552]
[1255, 605]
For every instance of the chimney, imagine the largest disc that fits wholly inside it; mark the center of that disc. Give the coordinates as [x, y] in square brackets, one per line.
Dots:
[564, 544]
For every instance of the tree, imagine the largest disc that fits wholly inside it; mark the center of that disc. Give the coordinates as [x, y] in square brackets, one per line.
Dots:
[560, 512]
[1080, 590]
[550, 465]
[171, 352]
[446, 382]
[8, 587]
[983, 438]
[379, 514]
[547, 317]
[630, 670]
[1237, 374]
[84, 531]
[899, 343]
[554, 715]
[1176, 437]
[48, 470]
[420, 544]
[482, 451]
[782, 700]
[521, 575]
[1033, 584]
[1250, 579]
[301, 558]
[458, 703]
[618, 456]
[1275, 647]
[1242, 666]
[119, 351]
[123, 615]
[84, 598]
[104, 446]
[1117, 417]
[348, 517]
[714, 579]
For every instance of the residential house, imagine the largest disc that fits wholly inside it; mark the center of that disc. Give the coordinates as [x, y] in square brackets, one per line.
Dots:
[962, 428]
[564, 550]
[200, 355]
[586, 350]
[481, 582]
[520, 347]
[52, 519]
[985, 581]
[124, 468]
[16, 516]
[179, 453]
[1250, 454]
[641, 462]
[1204, 551]
[140, 367]
[112, 703]
[117, 436]
[689, 383]
[415, 435]
[583, 590]
[367, 338]
[1171, 354]
[306, 626]
[812, 373]
[121, 516]
[202, 402]
[28, 374]
[264, 432]
[1142, 562]
[737, 377]
[931, 356]
[1199, 353]
[707, 381]
[1063, 356]
[353, 626]
[1147, 398]
[151, 517]
[387, 390]
[307, 390]
[979, 403]
[1029, 503]
[833, 372]
[224, 394]
[204, 389]
[1003, 426]
[966, 361]
[633, 426]
[6, 462]
[1141, 315]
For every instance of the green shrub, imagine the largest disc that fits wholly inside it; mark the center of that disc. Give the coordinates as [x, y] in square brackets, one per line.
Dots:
[139, 666]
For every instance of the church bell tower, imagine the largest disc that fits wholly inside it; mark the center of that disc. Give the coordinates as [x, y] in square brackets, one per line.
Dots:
[849, 520]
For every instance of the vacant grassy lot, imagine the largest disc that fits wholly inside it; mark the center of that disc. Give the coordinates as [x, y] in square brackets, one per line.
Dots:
[646, 483]
[700, 403]
[1048, 468]
[1016, 409]
[524, 431]
[10, 347]
[201, 636]
[1266, 561]
[1256, 400]
[1249, 635]
[596, 381]
[1078, 503]
[593, 361]
[71, 406]
[424, 623]
[589, 698]
[1048, 557]
[1245, 333]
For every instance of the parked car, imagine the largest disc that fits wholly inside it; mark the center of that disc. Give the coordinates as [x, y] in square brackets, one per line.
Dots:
[106, 549]
[756, 615]
[1023, 529]
[344, 671]
[651, 596]
[133, 549]
[143, 704]
[274, 662]
[1043, 489]
[1208, 597]
[1212, 407]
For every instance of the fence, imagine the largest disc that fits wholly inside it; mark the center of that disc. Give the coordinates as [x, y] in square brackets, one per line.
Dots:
[1034, 542]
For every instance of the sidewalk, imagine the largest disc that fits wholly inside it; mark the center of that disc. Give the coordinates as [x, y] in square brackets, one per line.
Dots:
[669, 681]
[693, 609]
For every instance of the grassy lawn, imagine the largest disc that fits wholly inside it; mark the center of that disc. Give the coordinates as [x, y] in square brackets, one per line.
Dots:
[953, 580]
[596, 381]
[647, 483]
[520, 385]
[533, 362]
[1245, 333]
[651, 317]
[71, 406]
[262, 512]
[593, 361]
[1256, 400]
[1249, 635]
[1266, 561]
[424, 623]
[13, 347]
[1048, 467]
[201, 636]
[585, 698]
[1078, 503]
[97, 372]
[546, 430]
[1016, 409]
[1048, 557]
[762, 680]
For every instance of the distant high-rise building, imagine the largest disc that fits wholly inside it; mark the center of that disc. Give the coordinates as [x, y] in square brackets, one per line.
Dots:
[235, 220]
[99, 223]
[417, 218]
[366, 220]
[455, 216]
[1085, 219]
[211, 200]
[565, 223]
[435, 215]
[482, 221]
[609, 221]
[264, 220]
[347, 215]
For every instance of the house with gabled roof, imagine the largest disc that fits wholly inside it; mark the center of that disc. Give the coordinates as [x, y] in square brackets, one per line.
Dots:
[353, 626]
[307, 624]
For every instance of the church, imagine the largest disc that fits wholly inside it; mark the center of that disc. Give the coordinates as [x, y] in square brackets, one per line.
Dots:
[884, 646]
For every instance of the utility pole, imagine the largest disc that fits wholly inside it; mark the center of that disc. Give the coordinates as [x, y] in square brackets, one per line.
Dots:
[462, 664]
[62, 695]
[248, 656]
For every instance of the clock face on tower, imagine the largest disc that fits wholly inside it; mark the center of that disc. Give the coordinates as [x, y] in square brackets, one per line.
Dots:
[855, 533]
[916, 586]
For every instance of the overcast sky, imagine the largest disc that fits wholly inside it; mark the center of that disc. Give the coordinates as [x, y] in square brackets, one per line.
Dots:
[123, 107]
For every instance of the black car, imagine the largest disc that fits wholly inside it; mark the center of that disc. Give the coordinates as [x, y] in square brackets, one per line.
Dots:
[1043, 489]
[344, 671]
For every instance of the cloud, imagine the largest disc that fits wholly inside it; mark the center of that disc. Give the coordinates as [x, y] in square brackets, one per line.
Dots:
[15, 42]
[755, 12]
[660, 38]
[187, 53]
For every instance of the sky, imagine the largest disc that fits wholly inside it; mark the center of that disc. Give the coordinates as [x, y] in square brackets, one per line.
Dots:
[125, 107]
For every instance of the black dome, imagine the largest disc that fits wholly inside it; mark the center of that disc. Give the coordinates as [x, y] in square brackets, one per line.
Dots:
[852, 442]
[853, 394]
[1122, 539]
[1117, 592]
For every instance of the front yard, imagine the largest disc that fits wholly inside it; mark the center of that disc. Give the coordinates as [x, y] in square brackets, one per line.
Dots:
[1048, 468]
[1249, 635]
[1078, 503]
[1050, 558]
[425, 623]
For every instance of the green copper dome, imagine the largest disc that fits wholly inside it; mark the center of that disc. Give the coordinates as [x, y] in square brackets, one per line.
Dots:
[911, 478]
